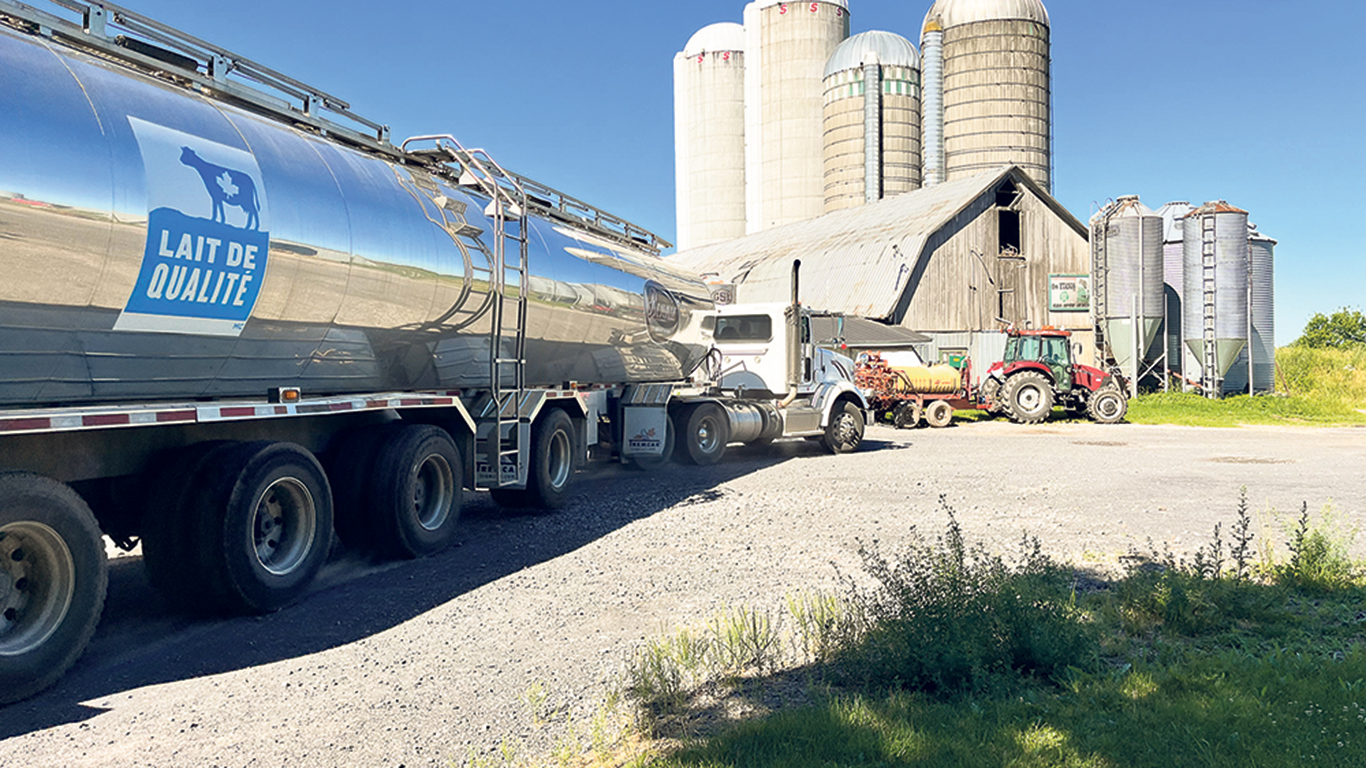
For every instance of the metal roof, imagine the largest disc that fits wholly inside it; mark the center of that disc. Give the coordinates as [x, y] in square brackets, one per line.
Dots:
[1172, 215]
[891, 50]
[952, 13]
[861, 332]
[855, 261]
[726, 36]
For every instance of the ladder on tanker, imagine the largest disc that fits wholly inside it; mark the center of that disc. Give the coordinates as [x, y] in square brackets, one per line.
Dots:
[504, 431]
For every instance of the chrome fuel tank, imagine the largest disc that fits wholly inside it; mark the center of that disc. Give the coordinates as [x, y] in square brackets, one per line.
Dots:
[156, 243]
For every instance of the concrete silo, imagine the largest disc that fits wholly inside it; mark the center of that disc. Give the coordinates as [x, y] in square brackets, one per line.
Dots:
[787, 48]
[996, 86]
[1126, 255]
[1215, 289]
[872, 120]
[932, 104]
[709, 136]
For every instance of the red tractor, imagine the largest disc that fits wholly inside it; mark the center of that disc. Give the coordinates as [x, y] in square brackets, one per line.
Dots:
[1037, 373]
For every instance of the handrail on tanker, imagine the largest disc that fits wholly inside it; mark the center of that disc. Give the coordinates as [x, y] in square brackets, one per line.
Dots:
[116, 33]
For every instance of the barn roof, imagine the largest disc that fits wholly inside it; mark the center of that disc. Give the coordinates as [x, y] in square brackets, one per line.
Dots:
[854, 261]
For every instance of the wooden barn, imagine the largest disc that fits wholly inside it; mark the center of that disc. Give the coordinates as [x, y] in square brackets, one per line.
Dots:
[956, 262]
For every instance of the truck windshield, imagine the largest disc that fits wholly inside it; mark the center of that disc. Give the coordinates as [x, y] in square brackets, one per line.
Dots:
[744, 328]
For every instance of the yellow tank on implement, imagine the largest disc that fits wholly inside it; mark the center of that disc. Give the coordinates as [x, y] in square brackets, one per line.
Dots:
[928, 380]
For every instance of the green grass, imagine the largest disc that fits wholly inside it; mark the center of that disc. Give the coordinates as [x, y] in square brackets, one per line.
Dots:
[1195, 411]
[1237, 657]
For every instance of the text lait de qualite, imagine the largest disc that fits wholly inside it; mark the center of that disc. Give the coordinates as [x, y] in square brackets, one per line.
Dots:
[192, 283]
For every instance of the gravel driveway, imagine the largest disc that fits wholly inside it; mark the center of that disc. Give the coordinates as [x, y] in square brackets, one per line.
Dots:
[425, 663]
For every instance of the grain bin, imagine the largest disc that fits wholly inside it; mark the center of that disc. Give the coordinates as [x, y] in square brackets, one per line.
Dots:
[1173, 267]
[1126, 243]
[787, 47]
[997, 86]
[872, 120]
[1262, 311]
[709, 136]
[1215, 288]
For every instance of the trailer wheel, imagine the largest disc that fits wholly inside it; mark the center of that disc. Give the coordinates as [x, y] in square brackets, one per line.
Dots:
[907, 415]
[552, 466]
[939, 414]
[1029, 397]
[1107, 406]
[169, 519]
[705, 435]
[844, 433]
[991, 393]
[265, 526]
[53, 579]
[350, 467]
[415, 492]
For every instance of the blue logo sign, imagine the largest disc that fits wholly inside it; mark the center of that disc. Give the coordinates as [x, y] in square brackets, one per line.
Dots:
[207, 239]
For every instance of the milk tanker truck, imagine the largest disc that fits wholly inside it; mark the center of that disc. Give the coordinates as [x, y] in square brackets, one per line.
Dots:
[235, 321]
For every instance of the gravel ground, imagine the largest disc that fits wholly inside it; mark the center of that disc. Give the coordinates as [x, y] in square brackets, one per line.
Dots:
[426, 663]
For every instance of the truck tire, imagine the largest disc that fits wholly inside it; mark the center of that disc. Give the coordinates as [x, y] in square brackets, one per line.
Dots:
[1029, 397]
[415, 492]
[264, 526]
[552, 466]
[1107, 406]
[844, 433]
[53, 579]
[939, 414]
[350, 466]
[169, 520]
[705, 434]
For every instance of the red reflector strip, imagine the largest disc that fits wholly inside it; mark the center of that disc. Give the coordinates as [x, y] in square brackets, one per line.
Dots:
[174, 416]
[105, 419]
[236, 413]
[21, 425]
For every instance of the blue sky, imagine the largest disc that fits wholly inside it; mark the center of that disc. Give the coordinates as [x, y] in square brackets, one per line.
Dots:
[1256, 103]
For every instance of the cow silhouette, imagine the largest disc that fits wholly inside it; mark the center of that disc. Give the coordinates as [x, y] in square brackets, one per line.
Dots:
[226, 187]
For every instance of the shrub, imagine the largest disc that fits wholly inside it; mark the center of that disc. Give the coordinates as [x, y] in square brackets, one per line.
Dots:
[949, 618]
[1319, 559]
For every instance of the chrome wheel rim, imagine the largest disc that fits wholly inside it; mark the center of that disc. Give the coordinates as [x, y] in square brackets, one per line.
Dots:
[708, 435]
[284, 526]
[560, 459]
[37, 585]
[433, 491]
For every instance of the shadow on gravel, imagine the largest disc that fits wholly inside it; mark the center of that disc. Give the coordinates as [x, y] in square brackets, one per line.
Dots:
[142, 641]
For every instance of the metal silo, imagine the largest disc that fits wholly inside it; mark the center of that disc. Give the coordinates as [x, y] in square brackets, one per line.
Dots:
[997, 87]
[1173, 263]
[1126, 251]
[788, 46]
[1215, 288]
[1262, 312]
[709, 136]
[932, 116]
[872, 120]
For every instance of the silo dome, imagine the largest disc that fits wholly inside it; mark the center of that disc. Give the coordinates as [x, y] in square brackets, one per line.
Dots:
[871, 120]
[891, 50]
[953, 13]
[726, 36]
[995, 85]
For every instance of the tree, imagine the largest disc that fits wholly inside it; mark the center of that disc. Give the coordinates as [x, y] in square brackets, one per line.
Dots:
[1344, 328]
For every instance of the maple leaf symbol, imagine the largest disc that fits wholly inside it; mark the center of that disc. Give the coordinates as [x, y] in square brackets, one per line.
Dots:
[225, 183]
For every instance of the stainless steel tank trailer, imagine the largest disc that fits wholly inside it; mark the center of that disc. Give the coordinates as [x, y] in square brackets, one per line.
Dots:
[235, 320]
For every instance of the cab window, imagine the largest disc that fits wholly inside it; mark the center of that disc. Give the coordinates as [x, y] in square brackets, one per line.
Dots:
[744, 328]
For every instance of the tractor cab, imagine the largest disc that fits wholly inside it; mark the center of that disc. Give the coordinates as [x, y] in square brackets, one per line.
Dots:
[1049, 348]
[1037, 371]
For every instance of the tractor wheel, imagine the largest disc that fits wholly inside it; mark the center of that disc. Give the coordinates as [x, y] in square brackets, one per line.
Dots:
[939, 414]
[1107, 406]
[991, 392]
[1029, 397]
[907, 415]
